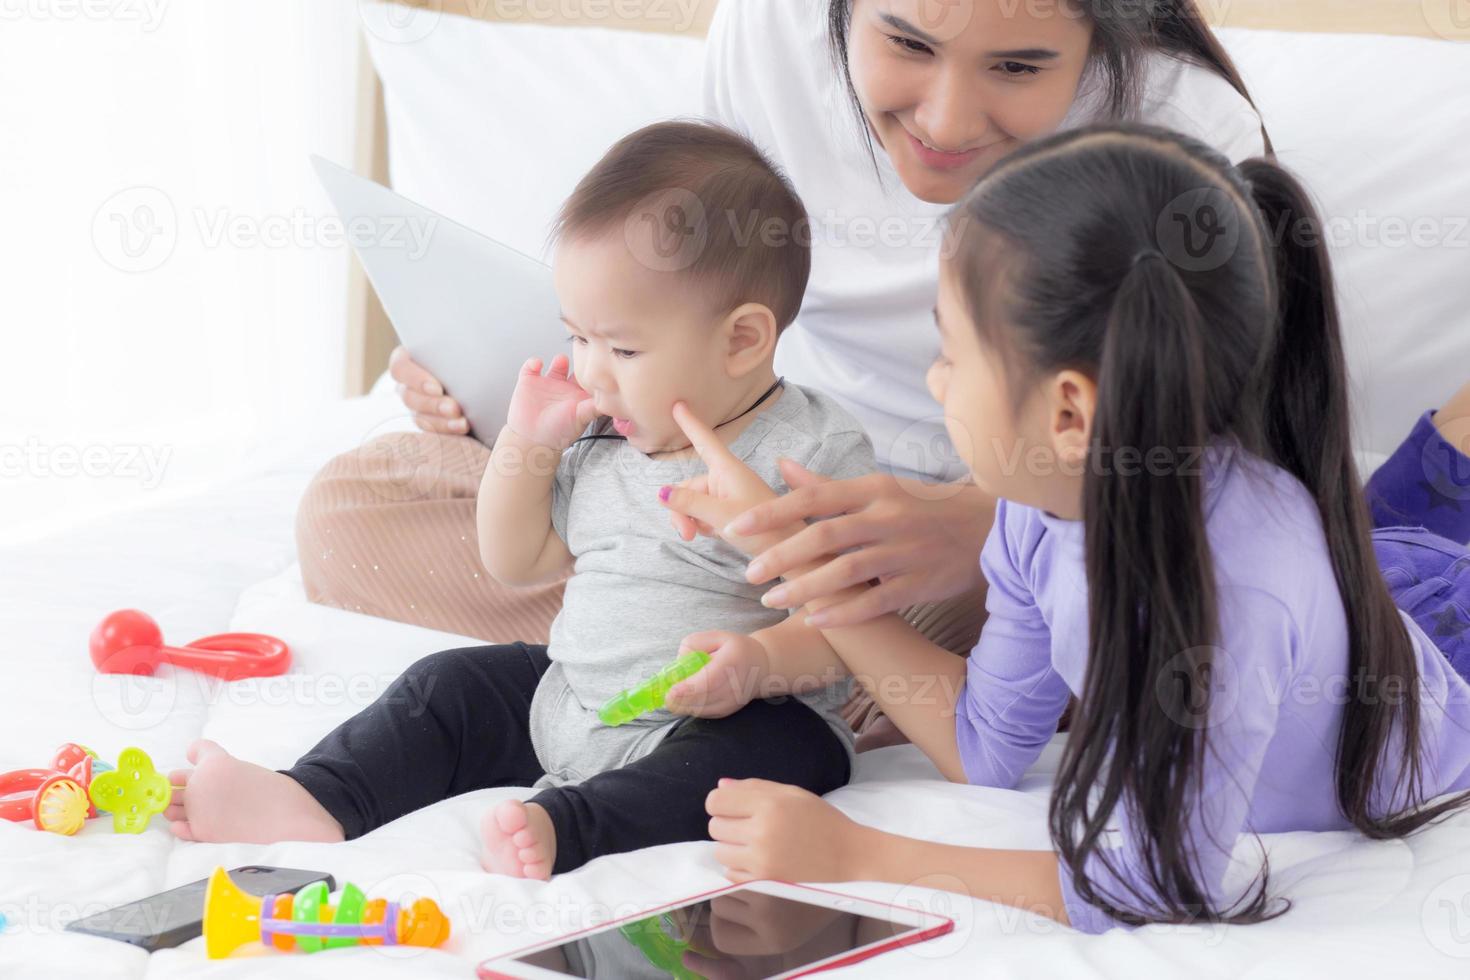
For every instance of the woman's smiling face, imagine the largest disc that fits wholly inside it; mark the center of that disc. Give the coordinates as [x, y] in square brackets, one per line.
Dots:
[950, 87]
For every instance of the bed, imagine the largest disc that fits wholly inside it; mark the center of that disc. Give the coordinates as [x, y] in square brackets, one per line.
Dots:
[224, 559]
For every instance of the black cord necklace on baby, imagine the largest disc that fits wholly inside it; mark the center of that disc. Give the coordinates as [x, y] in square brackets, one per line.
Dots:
[758, 403]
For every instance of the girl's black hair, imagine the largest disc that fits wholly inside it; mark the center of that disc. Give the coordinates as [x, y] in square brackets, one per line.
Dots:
[1123, 32]
[1200, 298]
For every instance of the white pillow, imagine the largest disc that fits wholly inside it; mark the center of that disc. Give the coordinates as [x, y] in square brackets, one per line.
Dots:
[1378, 128]
[493, 124]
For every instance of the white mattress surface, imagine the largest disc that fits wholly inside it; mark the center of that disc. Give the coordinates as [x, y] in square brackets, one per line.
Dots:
[225, 561]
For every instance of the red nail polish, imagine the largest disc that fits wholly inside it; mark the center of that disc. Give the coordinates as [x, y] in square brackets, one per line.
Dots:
[665, 493]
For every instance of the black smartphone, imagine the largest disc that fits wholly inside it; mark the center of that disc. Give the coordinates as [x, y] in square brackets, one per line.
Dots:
[177, 915]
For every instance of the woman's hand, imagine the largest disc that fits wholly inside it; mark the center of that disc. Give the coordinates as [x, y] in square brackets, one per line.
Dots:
[733, 677]
[920, 542]
[769, 830]
[551, 409]
[433, 411]
[713, 499]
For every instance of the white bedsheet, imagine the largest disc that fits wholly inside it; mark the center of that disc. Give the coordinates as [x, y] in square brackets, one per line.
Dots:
[224, 561]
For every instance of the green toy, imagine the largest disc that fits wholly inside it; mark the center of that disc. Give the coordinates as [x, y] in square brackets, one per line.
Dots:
[132, 793]
[661, 949]
[649, 696]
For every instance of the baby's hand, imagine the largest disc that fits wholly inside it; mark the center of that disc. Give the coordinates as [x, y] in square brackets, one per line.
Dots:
[738, 666]
[551, 410]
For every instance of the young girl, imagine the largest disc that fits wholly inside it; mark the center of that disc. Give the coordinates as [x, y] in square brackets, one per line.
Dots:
[1141, 357]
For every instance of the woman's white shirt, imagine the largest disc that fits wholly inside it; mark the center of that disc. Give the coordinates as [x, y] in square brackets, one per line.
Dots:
[865, 334]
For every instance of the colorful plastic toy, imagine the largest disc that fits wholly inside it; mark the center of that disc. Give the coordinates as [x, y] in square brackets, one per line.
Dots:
[130, 642]
[659, 947]
[54, 799]
[78, 784]
[649, 696]
[132, 793]
[307, 922]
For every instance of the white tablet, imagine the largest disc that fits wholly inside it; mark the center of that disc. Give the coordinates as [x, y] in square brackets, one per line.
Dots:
[759, 929]
[468, 308]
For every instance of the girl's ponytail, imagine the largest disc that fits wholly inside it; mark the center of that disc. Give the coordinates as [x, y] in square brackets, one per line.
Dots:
[1145, 536]
[1308, 431]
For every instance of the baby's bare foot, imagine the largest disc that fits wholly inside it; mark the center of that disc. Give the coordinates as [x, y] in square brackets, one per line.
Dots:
[228, 799]
[519, 840]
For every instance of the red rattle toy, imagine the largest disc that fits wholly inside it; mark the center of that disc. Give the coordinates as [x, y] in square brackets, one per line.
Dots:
[54, 798]
[130, 642]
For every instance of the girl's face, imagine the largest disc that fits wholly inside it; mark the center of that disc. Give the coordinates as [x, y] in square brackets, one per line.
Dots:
[1033, 452]
[949, 87]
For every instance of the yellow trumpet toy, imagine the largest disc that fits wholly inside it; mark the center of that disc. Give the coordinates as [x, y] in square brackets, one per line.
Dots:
[306, 921]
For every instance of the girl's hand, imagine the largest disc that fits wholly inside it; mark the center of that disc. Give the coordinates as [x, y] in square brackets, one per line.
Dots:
[729, 488]
[769, 830]
[920, 542]
[433, 411]
[737, 667]
[551, 410]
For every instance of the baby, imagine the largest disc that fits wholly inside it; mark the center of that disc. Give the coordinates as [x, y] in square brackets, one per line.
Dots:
[680, 258]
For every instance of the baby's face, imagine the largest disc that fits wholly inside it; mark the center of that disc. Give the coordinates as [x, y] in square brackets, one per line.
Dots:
[641, 341]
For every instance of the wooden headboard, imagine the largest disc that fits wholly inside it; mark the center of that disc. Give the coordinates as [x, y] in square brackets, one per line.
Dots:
[370, 337]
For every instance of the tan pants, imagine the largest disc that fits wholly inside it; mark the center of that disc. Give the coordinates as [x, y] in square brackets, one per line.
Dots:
[388, 529]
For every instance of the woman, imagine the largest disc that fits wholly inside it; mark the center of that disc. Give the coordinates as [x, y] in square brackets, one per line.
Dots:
[883, 113]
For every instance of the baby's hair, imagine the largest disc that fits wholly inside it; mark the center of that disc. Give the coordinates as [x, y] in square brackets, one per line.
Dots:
[1200, 297]
[702, 202]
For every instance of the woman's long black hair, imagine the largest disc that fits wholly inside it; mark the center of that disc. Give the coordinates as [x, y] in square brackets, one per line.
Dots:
[1200, 298]
[1124, 31]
